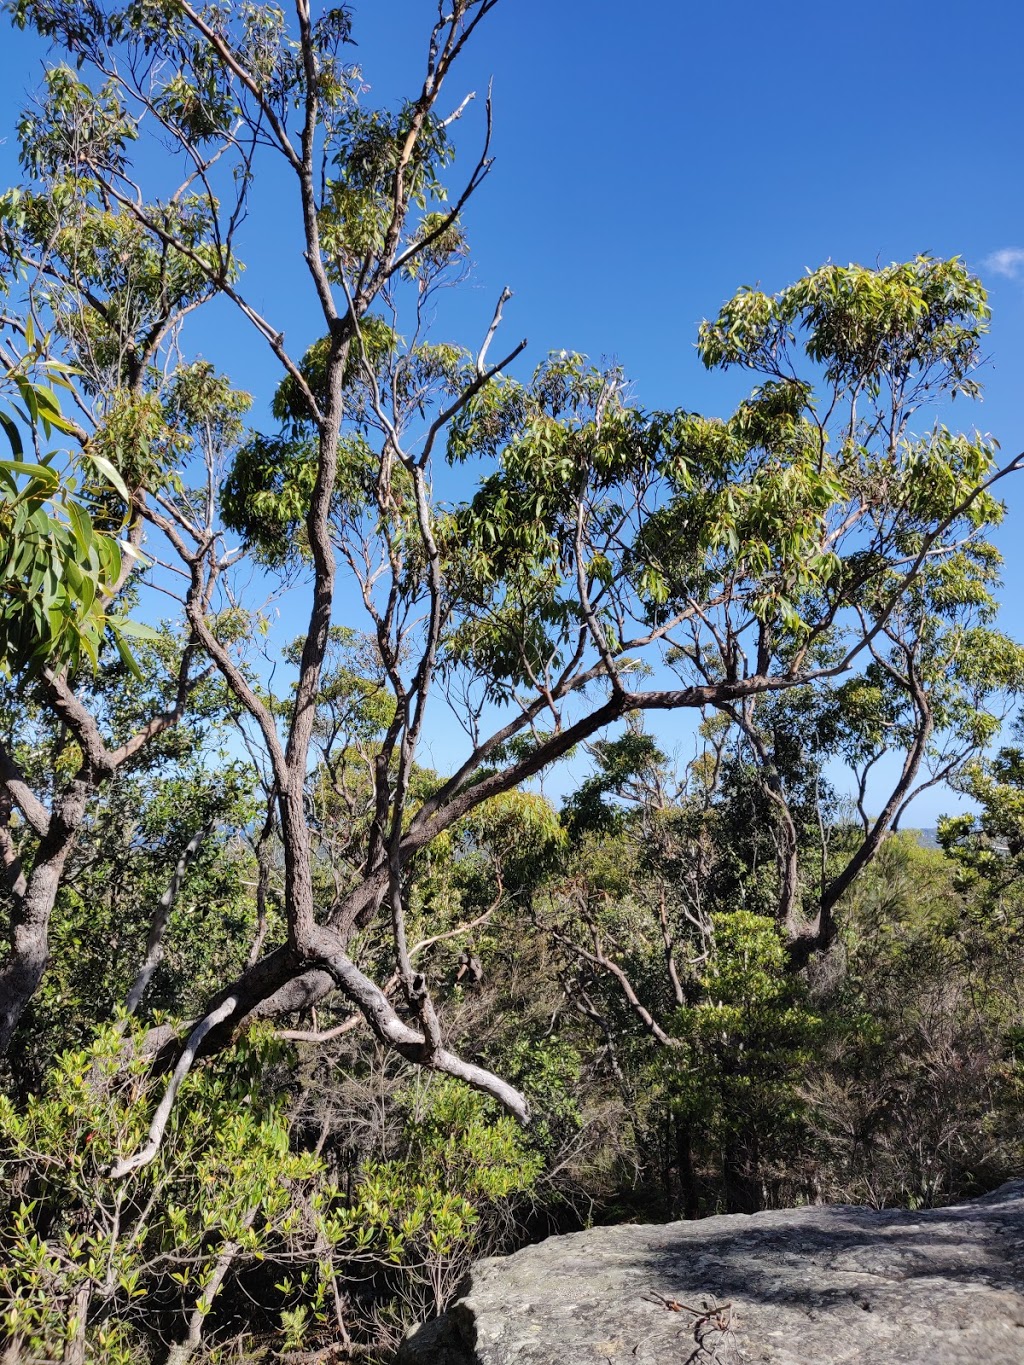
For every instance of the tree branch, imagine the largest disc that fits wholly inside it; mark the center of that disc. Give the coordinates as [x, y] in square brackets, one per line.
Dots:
[160, 1119]
[36, 815]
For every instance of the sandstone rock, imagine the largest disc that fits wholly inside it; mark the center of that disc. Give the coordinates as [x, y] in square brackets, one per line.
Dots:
[812, 1286]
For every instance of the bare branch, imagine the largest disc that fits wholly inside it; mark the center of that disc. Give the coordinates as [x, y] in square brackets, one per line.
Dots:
[598, 958]
[35, 813]
[158, 927]
[163, 1113]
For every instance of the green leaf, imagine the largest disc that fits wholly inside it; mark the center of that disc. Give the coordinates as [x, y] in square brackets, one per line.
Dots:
[31, 470]
[81, 526]
[103, 465]
[135, 630]
[127, 658]
[13, 434]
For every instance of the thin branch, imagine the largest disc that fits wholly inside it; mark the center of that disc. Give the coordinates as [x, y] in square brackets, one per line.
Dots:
[157, 929]
[160, 1119]
[598, 958]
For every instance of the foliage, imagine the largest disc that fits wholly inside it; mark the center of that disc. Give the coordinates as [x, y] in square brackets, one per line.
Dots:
[743, 1047]
[141, 1254]
[716, 984]
[987, 846]
[58, 572]
[424, 1212]
[135, 836]
[913, 1096]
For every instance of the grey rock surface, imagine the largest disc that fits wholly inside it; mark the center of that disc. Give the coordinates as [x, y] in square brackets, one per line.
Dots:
[811, 1286]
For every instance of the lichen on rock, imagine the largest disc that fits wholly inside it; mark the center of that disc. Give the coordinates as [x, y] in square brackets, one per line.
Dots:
[809, 1286]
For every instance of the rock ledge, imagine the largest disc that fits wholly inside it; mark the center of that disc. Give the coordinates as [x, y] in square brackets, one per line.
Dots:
[811, 1286]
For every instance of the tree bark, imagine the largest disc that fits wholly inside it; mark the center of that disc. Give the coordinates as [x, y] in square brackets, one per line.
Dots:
[875, 837]
[74, 1351]
[26, 960]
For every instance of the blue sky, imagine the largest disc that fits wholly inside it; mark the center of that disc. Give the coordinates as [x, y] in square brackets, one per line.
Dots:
[651, 158]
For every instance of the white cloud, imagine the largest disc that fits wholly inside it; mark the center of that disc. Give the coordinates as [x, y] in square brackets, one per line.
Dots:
[1009, 262]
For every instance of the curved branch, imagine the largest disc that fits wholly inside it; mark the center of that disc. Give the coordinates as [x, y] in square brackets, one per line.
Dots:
[598, 959]
[422, 1048]
[160, 1119]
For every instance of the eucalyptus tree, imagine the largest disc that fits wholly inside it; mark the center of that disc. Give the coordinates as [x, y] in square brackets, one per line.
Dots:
[938, 682]
[611, 561]
[988, 847]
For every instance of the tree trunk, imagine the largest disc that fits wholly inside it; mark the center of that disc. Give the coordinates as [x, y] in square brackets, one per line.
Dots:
[26, 960]
[868, 850]
[74, 1351]
[688, 1201]
[182, 1351]
[740, 1185]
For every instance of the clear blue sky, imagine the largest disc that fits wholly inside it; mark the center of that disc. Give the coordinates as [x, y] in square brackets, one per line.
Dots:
[651, 158]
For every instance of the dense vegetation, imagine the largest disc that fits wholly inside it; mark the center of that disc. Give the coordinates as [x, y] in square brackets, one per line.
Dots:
[295, 1025]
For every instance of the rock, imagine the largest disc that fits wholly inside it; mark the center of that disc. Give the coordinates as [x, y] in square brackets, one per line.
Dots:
[811, 1286]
